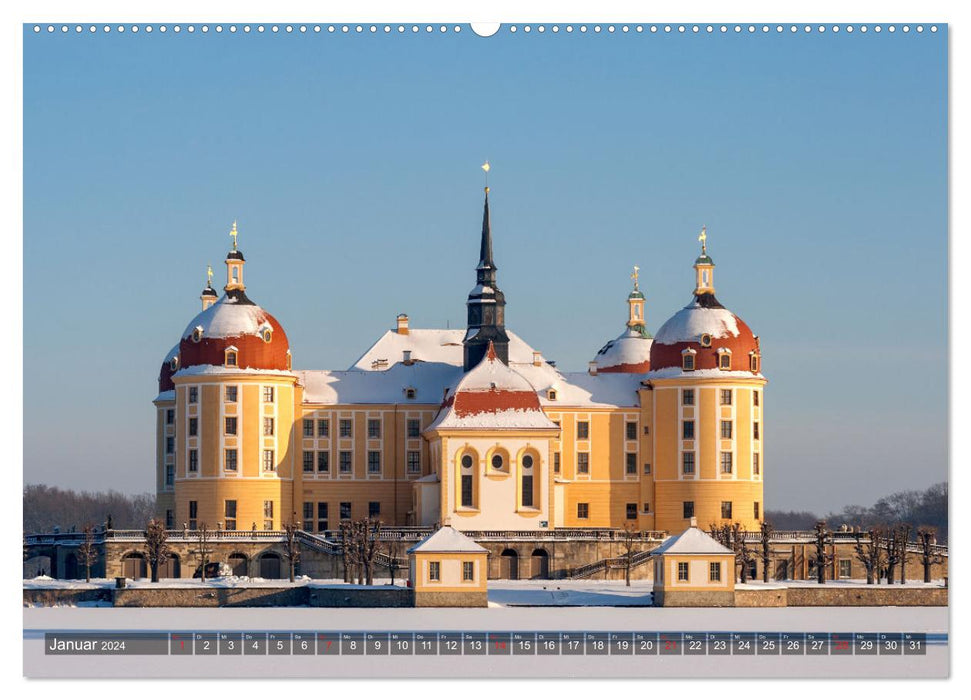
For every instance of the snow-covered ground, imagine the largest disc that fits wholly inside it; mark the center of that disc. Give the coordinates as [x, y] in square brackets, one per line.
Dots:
[569, 593]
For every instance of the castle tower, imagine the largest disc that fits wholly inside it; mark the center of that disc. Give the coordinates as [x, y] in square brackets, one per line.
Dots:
[630, 352]
[486, 304]
[705, 400]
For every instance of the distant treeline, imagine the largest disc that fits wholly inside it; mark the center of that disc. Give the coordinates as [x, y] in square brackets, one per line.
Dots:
[919, 508]
[47, 507]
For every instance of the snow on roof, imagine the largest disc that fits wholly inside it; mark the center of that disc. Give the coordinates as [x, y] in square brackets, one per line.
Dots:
[430, 345]
[165, 396]
[447, 539]
[580, 388]
[677, 372]
[691, 541]
[629, 348]
[356, 386]
[492, 395]
[196, 370]
[692, 321]
[227, 318]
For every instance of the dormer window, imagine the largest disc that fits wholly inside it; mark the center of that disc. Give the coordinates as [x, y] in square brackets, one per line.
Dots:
[197, 334]
[551, 394]
[706, 340]
[724, 358]
[174, 364]
[688, 360]
[232, 354]
[267, 335]
[289, 360]
[410, 392]
[754, 361]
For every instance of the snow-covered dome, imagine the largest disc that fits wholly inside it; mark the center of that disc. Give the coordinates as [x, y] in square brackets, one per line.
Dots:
[707, 328]
[235, 322]
[629, 352]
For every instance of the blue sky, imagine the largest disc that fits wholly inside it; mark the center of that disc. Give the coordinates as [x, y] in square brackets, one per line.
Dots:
[818, 163]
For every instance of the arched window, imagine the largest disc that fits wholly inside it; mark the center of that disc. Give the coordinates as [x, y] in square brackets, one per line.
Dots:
[232, 355]
[724, 358]
[527, 482]
[688, 359]
[754, 362]
[468, 482]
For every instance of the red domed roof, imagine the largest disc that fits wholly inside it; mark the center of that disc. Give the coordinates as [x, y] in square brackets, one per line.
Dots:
[704, 316]
[165, 374]
[235, 321]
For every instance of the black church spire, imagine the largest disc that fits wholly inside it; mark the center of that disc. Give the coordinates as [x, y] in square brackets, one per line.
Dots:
[486, 304]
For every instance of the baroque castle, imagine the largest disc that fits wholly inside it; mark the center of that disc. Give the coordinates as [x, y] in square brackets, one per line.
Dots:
[471, 428]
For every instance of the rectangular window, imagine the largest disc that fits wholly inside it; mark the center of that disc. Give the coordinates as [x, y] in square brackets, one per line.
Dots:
[726, 430]
[322, 517]
[323, 428]
[193, 460]
[688, 362]
[688, 430]
[647, 467]
[726, 462]
[267, 515]
[682, 571]
[527, 490]
[193, 426]
[170, 416]
[267, 427]
[755, 398]
[756, 467]
[556, 462]
[269, 461]
[632, 511]
[169, 474]
[647, 507]
[345, 427]
[632, 431]
[846, 568]
[193, 514]
[230, 426]
[373, 462]
[308, 516]
[231, 394]
[466, 486]
[688, 397]
[373, 429]
[323, 461]
[715, 571]
[583, 430]
[755, 430]
[345, 510]
[727, 510]
[414, 461]
[687, 462]
[308, 461]
[468, 570]
[344, 462]
[169, 445]
[755, 510]
[169, 520]
[193, 394]
[726, 397]
[268, 394]
[583, 462]
[414, 428]
[230, 513]
[231, 460]
[373, 509]
[583, 511]
[434, 571]
[631, 463]
[308, 427]
[688, 509]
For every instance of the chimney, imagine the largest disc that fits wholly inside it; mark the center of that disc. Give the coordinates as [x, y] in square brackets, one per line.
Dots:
[537, 359]
[694, 521]
[406, 356]
[592, 368]
[402, 328]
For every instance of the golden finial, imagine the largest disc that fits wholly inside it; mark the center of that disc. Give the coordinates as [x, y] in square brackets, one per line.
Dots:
[209, 274]
[703, 238]
[486, 167]
[234, 233]
[634, 276]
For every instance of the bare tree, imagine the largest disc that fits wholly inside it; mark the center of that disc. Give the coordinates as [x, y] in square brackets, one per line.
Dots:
[292, 547]
[891, 551]
[369, 535]
[156, 547]
[821, 557]
[927, 538]
[394, 551]
[766, 531]
[903, 539]
[87, 555]
[205, 548]
[630, 537]
[870, 554]
[743, 553]
[347, 549]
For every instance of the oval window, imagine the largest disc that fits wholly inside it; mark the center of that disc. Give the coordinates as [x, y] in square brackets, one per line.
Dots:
[267, 335]
[527, 462]
[197, 334]
[497, 461]
[467, 462]
[705, 340]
